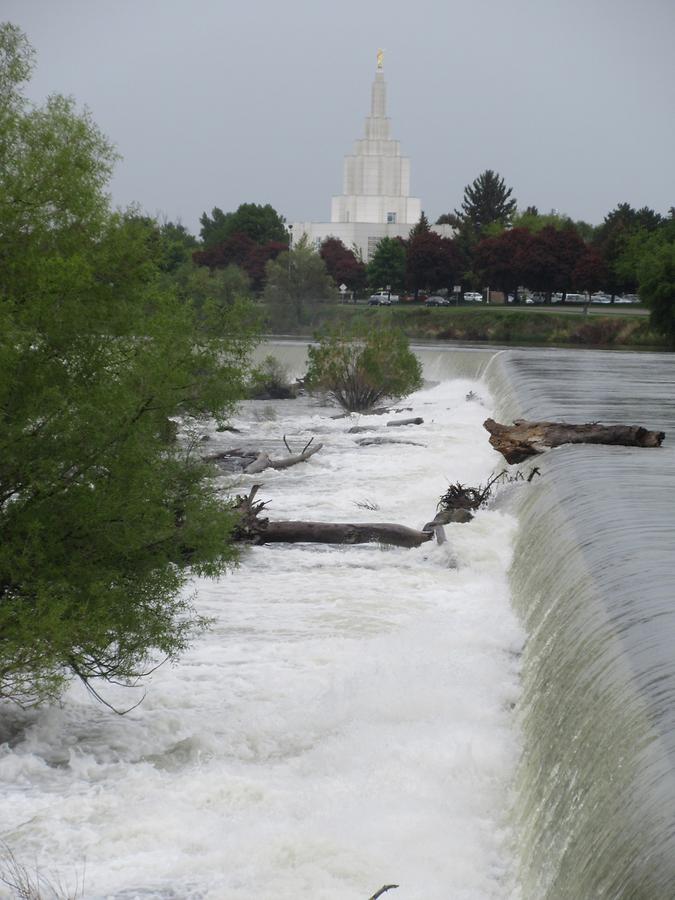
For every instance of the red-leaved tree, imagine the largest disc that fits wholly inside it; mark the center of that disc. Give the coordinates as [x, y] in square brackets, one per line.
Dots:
[342, 264]
[241, 250]
[591, 271]
[432, 261]
[551, 258]
[501, 260]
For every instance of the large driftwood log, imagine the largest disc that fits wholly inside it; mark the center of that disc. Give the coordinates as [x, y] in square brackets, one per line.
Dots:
[254, 529]
[523, 439]
[341, 533]
[251, 462]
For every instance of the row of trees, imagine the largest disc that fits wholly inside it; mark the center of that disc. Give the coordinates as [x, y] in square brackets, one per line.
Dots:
[494, 245]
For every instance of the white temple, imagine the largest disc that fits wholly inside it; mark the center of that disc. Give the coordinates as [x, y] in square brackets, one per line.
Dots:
[376, 200]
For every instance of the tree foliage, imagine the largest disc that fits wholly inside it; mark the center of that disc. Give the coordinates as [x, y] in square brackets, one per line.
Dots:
[590, 271]
[502, 260]
[259, 223]
[656, 273]
[487, 200]
[361, 368]
[102, 517]
[551, 259]
[342, 264]
[295, 281]
[419, 228]
[613, 241]
[388, 264]
[432, 261]
[207, 289]
[242, 251]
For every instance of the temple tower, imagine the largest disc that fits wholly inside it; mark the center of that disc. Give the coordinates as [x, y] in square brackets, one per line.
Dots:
[375, 201]
[376, 179]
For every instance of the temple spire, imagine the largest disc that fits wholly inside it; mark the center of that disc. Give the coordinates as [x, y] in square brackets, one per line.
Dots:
[378, 96]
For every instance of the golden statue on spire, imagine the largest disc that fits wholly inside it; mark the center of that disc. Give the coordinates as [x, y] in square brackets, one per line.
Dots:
[380, 60]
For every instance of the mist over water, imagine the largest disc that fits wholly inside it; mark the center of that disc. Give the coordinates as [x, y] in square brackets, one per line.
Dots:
[348, 721]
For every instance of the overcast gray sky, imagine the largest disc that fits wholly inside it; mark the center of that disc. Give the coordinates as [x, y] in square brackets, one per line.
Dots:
[217, 103]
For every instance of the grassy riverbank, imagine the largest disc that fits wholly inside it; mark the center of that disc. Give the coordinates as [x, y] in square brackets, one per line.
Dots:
[498, 325]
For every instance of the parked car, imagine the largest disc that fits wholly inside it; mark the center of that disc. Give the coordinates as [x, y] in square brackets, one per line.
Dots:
[382, 298]
[436, 301]
[473, 297]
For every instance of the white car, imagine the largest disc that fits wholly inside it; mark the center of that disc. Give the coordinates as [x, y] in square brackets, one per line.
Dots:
[382, 298]
[473, 297]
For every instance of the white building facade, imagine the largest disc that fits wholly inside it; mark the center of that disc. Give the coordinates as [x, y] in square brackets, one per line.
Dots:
[376, 201]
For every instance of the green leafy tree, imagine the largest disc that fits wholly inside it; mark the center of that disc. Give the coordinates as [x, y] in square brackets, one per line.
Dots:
[613, 239]
[206, 289]
[214, 228]
[487, 200]
[535, 221]
[177, 245]
[449, 219]
[295, 281]
[259, 223]
[656, 275]
[102, 516]
[388, 264]
[362, 367]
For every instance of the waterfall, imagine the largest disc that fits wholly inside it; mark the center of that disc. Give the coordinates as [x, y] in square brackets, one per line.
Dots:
[592, 581]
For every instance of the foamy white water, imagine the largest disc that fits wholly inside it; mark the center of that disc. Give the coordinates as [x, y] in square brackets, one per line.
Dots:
[347, 722]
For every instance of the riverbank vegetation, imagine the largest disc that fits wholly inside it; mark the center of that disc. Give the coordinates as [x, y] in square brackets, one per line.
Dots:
[103, 514]
[493, 325]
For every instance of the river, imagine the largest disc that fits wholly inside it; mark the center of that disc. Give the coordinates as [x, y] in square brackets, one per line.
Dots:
[487, 719]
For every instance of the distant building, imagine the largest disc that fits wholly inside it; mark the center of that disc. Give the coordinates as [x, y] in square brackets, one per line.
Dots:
[375, 202]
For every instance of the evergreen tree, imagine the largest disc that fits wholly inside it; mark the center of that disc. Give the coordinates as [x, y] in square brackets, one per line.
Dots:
[102, 516]
[487, 200]
[421, 227]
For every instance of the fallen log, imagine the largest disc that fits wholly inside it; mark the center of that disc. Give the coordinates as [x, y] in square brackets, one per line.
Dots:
[359, 429]
[252, 528]
[376, 441]
[418, 420]
[341, 533]
[264, 461]
[523, 439]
